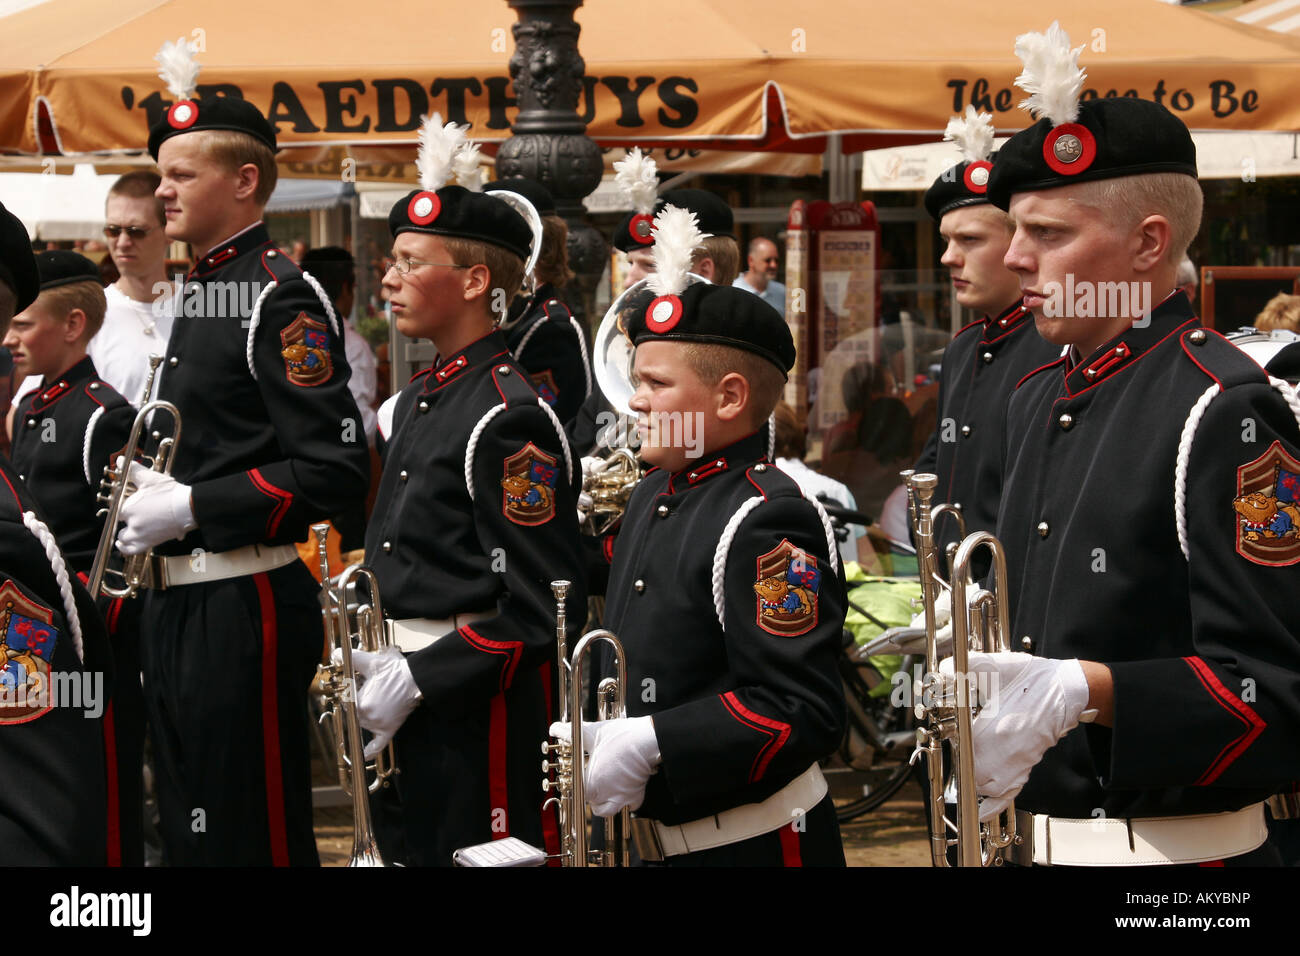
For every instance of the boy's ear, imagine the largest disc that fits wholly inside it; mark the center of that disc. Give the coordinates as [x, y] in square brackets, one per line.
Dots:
[477, 280]
[74, 324]
[733, 397]
[246, 180]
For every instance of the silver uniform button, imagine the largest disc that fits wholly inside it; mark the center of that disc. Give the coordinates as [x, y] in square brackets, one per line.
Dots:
[662, 511]
[424, 406]
[1043, 529]
[1066, 421]
[760, 468]
[173, 361]
[1197, 337]
[94, 386]
[988, 357]
[639, 586]
[1027, 643]
[31, 423]
[272, 254]
[504, 370]
[388, 547]
[965, 431]
[402, 475]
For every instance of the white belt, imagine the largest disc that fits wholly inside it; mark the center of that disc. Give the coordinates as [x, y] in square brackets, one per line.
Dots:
[176, 570]
[416, 633]
[655, 841]
[1149, 841]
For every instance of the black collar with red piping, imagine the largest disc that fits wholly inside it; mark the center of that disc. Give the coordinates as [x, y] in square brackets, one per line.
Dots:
[1171, 316]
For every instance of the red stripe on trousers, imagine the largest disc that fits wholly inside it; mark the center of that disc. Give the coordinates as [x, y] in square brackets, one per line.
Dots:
[271, 727]
[550, 824]
[790, 846]
[497, 795]
[110, 780]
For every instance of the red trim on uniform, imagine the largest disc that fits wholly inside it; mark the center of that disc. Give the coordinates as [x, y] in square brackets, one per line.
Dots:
[497, 385]
[283, 498]
[1234, 705]
[511, 650]
[1211, 863]
[1138, 358]
[1041, 368]
[607, 548]
[1108, 361]
[750, 478]
[227, 253]
[110, 783]
[498, 794]
[423, 371]
[18, 501]
[271, 726]
[777, 731]
[550, 820]
[114, 612]
[790, 855]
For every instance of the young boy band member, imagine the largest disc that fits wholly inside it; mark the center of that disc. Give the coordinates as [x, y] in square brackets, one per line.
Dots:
[1148, 514]
[727, 595]
[53, 810]
[271, 440]
[476, 515]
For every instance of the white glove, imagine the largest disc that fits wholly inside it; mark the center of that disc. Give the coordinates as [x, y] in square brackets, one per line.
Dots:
[1036, 701]
[590, 465]
[943, 613]
[387, 695]
[624, 753]
[158, 511]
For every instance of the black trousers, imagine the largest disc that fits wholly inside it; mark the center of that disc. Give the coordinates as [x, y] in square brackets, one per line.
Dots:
[124, 731]
[227, 667]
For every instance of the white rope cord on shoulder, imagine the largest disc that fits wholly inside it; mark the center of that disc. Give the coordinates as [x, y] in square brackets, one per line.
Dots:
[324, 300]
[559, 432]
[771, 438]
[1290, 394]
[252, 324]
[473, 444]
[720, 557]
[43, 534]
[582, 350]
[85, 448]
[1180, 468]
[528, 336]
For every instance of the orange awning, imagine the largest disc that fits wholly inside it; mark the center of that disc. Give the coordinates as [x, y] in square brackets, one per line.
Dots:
[749, 74]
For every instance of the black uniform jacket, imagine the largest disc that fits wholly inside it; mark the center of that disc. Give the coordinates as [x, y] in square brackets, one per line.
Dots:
[981, 367]
[51, 455]
[52, 804]
[437, 552]
[547, 344]
[739, 712]
[1204, 649]
[266, 453]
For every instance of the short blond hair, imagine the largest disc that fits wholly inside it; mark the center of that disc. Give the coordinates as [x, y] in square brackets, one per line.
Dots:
[1127, 200]
[505, 269]
[63, 300]
[711, 362]
[233, 149]
[725, 253]
[1282, 312]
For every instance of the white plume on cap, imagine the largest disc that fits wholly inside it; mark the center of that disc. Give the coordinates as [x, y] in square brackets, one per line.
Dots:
[637, 174]
[439, 145]
[677, 234]
[1051, 75]
[178, 68]
[467, 164]
[972, 133]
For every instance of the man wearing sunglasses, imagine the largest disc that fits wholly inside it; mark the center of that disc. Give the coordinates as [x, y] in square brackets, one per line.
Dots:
[141, 302]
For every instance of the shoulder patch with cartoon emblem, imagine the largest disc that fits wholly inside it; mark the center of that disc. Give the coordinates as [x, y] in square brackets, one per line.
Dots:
[306, 351]
[786, 591]
[27, 640]
[528, 488]
[547, 390]
[1267, 508]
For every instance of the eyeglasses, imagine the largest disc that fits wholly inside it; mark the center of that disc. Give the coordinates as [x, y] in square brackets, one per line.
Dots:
[133, 232]
[403, 264]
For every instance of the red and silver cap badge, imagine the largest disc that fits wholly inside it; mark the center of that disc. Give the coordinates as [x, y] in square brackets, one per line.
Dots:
[976, 176]
[663, 313]
[639, 228]
[423, 208]
[1069, 149]
[183, 114]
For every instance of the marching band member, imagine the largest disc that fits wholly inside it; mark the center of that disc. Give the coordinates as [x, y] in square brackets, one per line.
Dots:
[271, 441]
[1149, 512]
[476, 514]
[53, 810]
[986, 358]
[544, 337]
[737, 697]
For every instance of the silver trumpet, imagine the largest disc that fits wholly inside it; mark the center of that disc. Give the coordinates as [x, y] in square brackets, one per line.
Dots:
[114, 490]
[568, 759]
[346, 619]
[947, 709]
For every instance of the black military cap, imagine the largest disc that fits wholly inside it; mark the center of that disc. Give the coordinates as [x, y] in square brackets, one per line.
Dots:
[455, 211]
[63, 267]
[530, 189]
[1112, 137]
[965, 184]
[212, 112]
[714, 314]
[17, 264]
[714, 217]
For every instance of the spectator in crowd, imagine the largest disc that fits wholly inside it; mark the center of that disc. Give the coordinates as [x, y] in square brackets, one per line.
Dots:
[791, 446]
[334, 269]
[760, 278]
[141, 303]
[1281, 312]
